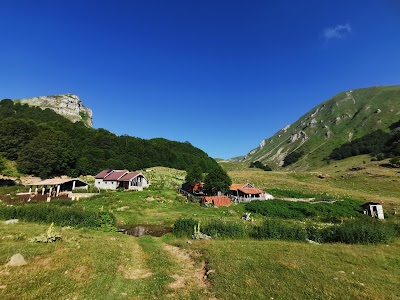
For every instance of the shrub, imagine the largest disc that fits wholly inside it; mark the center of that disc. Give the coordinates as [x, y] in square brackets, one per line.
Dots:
[58, 214]
[221, 229]
[332, 212]
[362, 231]
[184, 227]
[279, 230]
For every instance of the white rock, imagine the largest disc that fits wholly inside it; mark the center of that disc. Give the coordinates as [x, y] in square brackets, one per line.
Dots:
[11, 221]
[17, 260]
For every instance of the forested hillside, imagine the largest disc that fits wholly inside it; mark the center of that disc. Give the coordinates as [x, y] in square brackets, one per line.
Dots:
[44, 143]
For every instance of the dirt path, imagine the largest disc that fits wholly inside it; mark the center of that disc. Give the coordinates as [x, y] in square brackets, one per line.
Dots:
[190, 274]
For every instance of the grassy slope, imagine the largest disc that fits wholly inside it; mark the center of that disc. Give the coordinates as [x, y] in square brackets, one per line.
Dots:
[97, 265]
[356, 114]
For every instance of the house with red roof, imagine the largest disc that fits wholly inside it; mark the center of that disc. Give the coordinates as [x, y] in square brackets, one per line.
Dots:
[246, 193]
[115, 179]
[216, 201]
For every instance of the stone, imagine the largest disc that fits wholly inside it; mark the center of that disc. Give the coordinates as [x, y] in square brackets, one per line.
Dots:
[67, 105]
[11, 221]
[17, 260]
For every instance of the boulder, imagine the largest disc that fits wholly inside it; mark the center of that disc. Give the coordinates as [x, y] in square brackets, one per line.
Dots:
[11, 221]
[17, 260]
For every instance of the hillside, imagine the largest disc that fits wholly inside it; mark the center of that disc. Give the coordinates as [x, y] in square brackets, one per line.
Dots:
[343, 118]
[43, 143]
[68, 105]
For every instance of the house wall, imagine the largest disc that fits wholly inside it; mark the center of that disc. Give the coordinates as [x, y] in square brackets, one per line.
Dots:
[138, 183]
[105, 185]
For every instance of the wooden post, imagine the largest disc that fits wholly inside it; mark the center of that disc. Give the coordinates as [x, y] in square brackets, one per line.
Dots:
[36, 190]
[43, 190]
[30, 190]
[73, 185]
[51, 188]
[58, 190]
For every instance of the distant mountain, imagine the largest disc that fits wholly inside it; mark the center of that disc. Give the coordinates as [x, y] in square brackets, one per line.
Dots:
[343, 118]
[67, 105]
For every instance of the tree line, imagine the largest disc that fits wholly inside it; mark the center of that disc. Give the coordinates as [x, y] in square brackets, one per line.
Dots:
[377, 143]
[46, 144]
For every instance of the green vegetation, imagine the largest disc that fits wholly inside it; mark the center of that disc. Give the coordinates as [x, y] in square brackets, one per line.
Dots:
[45, 144]
[217, 180]
[194, 175]
[61, 215]
[260, 165]
[345, 117]
[376, 143]
[292, 157]
[245, 259]
[335, 211]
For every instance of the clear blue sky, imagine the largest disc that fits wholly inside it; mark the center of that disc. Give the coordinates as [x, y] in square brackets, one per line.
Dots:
[222, 75]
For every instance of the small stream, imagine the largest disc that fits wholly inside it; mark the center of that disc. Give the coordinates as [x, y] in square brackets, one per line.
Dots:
[147, 229]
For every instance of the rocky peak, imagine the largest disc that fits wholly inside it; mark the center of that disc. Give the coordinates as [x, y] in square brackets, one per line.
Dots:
[67, 105]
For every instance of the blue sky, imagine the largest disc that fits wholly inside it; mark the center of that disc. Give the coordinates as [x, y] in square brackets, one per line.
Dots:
[223, 75]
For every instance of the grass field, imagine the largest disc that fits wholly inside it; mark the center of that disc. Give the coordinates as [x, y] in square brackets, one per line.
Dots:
[92, 264]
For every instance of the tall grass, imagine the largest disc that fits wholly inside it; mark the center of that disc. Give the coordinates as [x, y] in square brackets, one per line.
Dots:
[60, 214]
[357, 231]
[332, 212]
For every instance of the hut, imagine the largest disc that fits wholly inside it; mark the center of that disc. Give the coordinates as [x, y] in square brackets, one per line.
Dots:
[373, 209]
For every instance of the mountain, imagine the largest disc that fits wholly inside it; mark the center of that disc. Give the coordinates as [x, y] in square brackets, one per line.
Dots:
[67, 105]
[44, 143]
[343, 118]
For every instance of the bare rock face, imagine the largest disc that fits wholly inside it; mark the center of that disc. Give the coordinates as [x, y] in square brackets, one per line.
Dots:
[67, 105]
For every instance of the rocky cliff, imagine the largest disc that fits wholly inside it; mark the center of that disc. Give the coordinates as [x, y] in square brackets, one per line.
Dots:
[68, 105]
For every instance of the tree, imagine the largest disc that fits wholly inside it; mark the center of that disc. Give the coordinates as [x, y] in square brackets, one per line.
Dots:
[217, 180]
[194, 175]
[291, 158]
[14, 134]
[50, 153]
[2, 163]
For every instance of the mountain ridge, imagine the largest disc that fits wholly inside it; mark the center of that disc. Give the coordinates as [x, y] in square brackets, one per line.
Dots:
[342, 118]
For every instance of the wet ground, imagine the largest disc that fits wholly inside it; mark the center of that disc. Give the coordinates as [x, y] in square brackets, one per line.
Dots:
[147, 229]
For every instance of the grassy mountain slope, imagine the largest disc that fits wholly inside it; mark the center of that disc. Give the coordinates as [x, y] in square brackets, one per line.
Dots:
[345, 117]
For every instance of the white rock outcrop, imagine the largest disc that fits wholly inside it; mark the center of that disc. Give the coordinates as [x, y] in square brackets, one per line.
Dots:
[67, 105]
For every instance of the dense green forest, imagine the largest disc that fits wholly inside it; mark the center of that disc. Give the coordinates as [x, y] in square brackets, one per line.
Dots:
[44, 143]
[377, 143]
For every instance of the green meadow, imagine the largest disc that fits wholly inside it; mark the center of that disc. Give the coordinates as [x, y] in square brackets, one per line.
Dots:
[101, 263]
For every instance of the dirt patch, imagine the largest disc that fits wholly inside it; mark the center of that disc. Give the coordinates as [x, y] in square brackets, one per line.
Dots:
[79, 273]
[191, 274]
[137, 269]
[134, 273]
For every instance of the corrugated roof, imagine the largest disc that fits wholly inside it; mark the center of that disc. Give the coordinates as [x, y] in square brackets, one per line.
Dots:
[129, 176]
[103, 174]
[217, 200]
[115, 175]
[56, 181]
[247, 190]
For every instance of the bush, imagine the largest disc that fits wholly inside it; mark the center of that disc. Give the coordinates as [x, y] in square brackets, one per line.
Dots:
[279, 230]
[184, 227]
[362, 231]
[331, 212]
[221, 229]
[60, 215]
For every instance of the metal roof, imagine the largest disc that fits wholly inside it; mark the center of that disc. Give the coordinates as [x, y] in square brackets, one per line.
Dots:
[57, 181]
